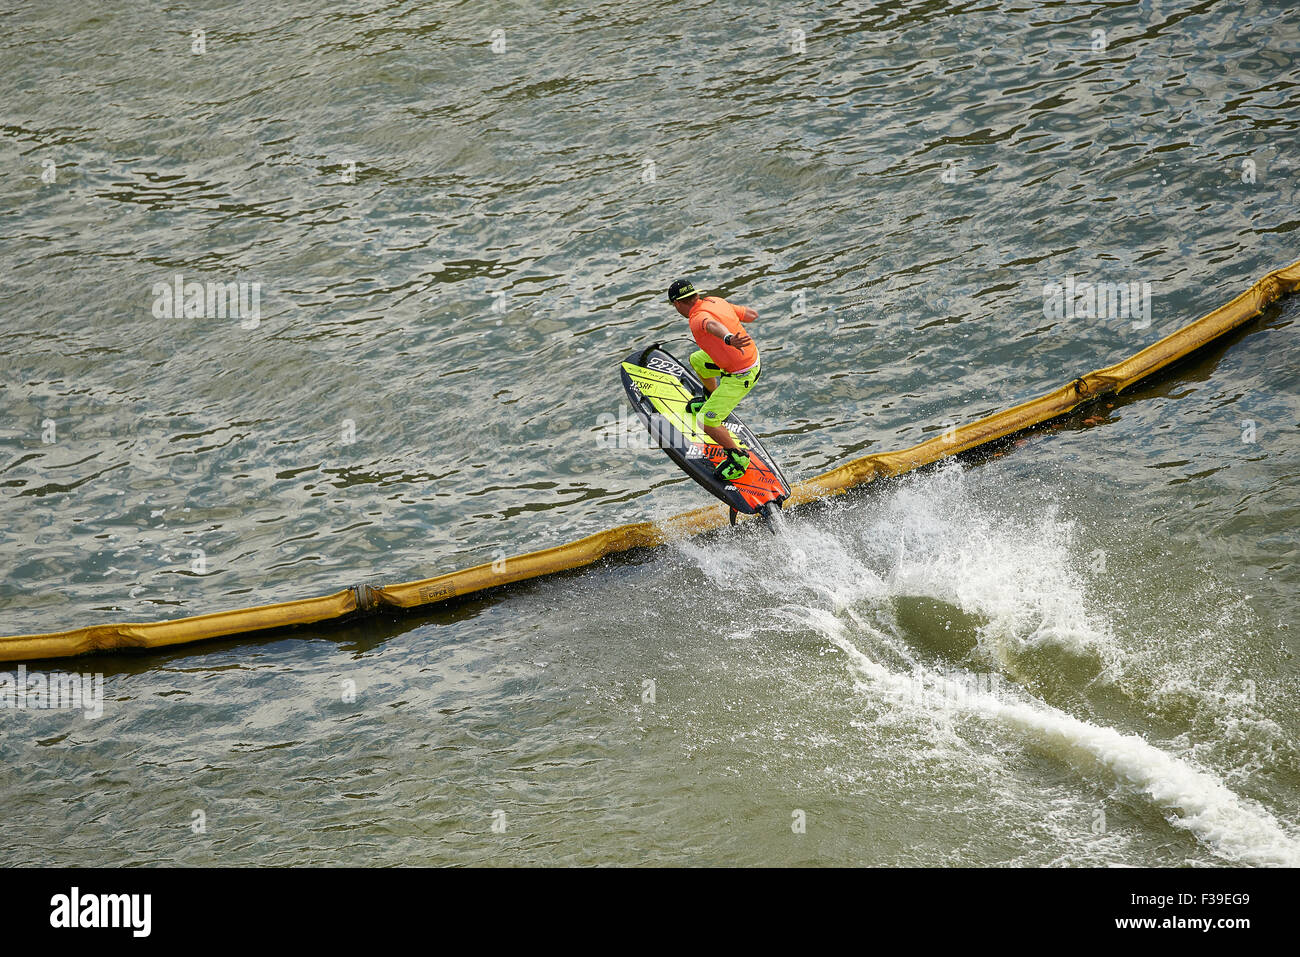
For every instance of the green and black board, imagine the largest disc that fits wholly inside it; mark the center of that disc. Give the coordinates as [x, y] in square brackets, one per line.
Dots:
[659, 387]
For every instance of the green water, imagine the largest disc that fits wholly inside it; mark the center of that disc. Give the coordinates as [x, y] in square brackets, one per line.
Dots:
[1081, 652]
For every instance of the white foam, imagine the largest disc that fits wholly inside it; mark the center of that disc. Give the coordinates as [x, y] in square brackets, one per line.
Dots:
[1195, 800]
[1016, 571]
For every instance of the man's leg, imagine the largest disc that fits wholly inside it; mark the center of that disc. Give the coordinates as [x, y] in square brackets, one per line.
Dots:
[703, 366]
[721, 435]
[706, 369]
[719, 405]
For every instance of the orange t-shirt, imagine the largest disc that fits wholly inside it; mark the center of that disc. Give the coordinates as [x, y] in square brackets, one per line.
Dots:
[730, 358]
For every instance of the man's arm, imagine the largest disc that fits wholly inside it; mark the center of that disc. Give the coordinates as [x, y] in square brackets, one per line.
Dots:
[715, 328]
[745, 314]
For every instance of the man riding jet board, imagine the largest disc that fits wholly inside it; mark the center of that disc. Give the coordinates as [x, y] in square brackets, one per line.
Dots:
[726, 362]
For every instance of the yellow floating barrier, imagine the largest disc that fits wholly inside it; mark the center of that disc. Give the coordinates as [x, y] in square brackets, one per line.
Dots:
[179, 631]
[362, 599]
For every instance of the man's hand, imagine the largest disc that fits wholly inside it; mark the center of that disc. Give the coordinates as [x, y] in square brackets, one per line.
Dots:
[738, 340]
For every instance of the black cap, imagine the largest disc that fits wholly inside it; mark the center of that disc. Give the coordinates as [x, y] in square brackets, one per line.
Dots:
[681, 289]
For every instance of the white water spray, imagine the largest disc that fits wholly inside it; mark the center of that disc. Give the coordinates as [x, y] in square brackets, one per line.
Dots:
[1014, 576]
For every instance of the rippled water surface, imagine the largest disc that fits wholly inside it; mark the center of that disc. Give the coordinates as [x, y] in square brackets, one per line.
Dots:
[458, 217]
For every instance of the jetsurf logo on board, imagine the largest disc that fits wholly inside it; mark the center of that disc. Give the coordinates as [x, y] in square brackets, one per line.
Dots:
[132, 911]
[179, 299]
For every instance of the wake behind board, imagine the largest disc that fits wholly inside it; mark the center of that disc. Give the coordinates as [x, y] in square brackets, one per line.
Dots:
[659, 387]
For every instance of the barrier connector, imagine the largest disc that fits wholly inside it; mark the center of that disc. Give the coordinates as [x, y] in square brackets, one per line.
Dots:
[367, 597]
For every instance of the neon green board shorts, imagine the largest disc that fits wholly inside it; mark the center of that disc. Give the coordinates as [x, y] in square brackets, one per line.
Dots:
[731, 388]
